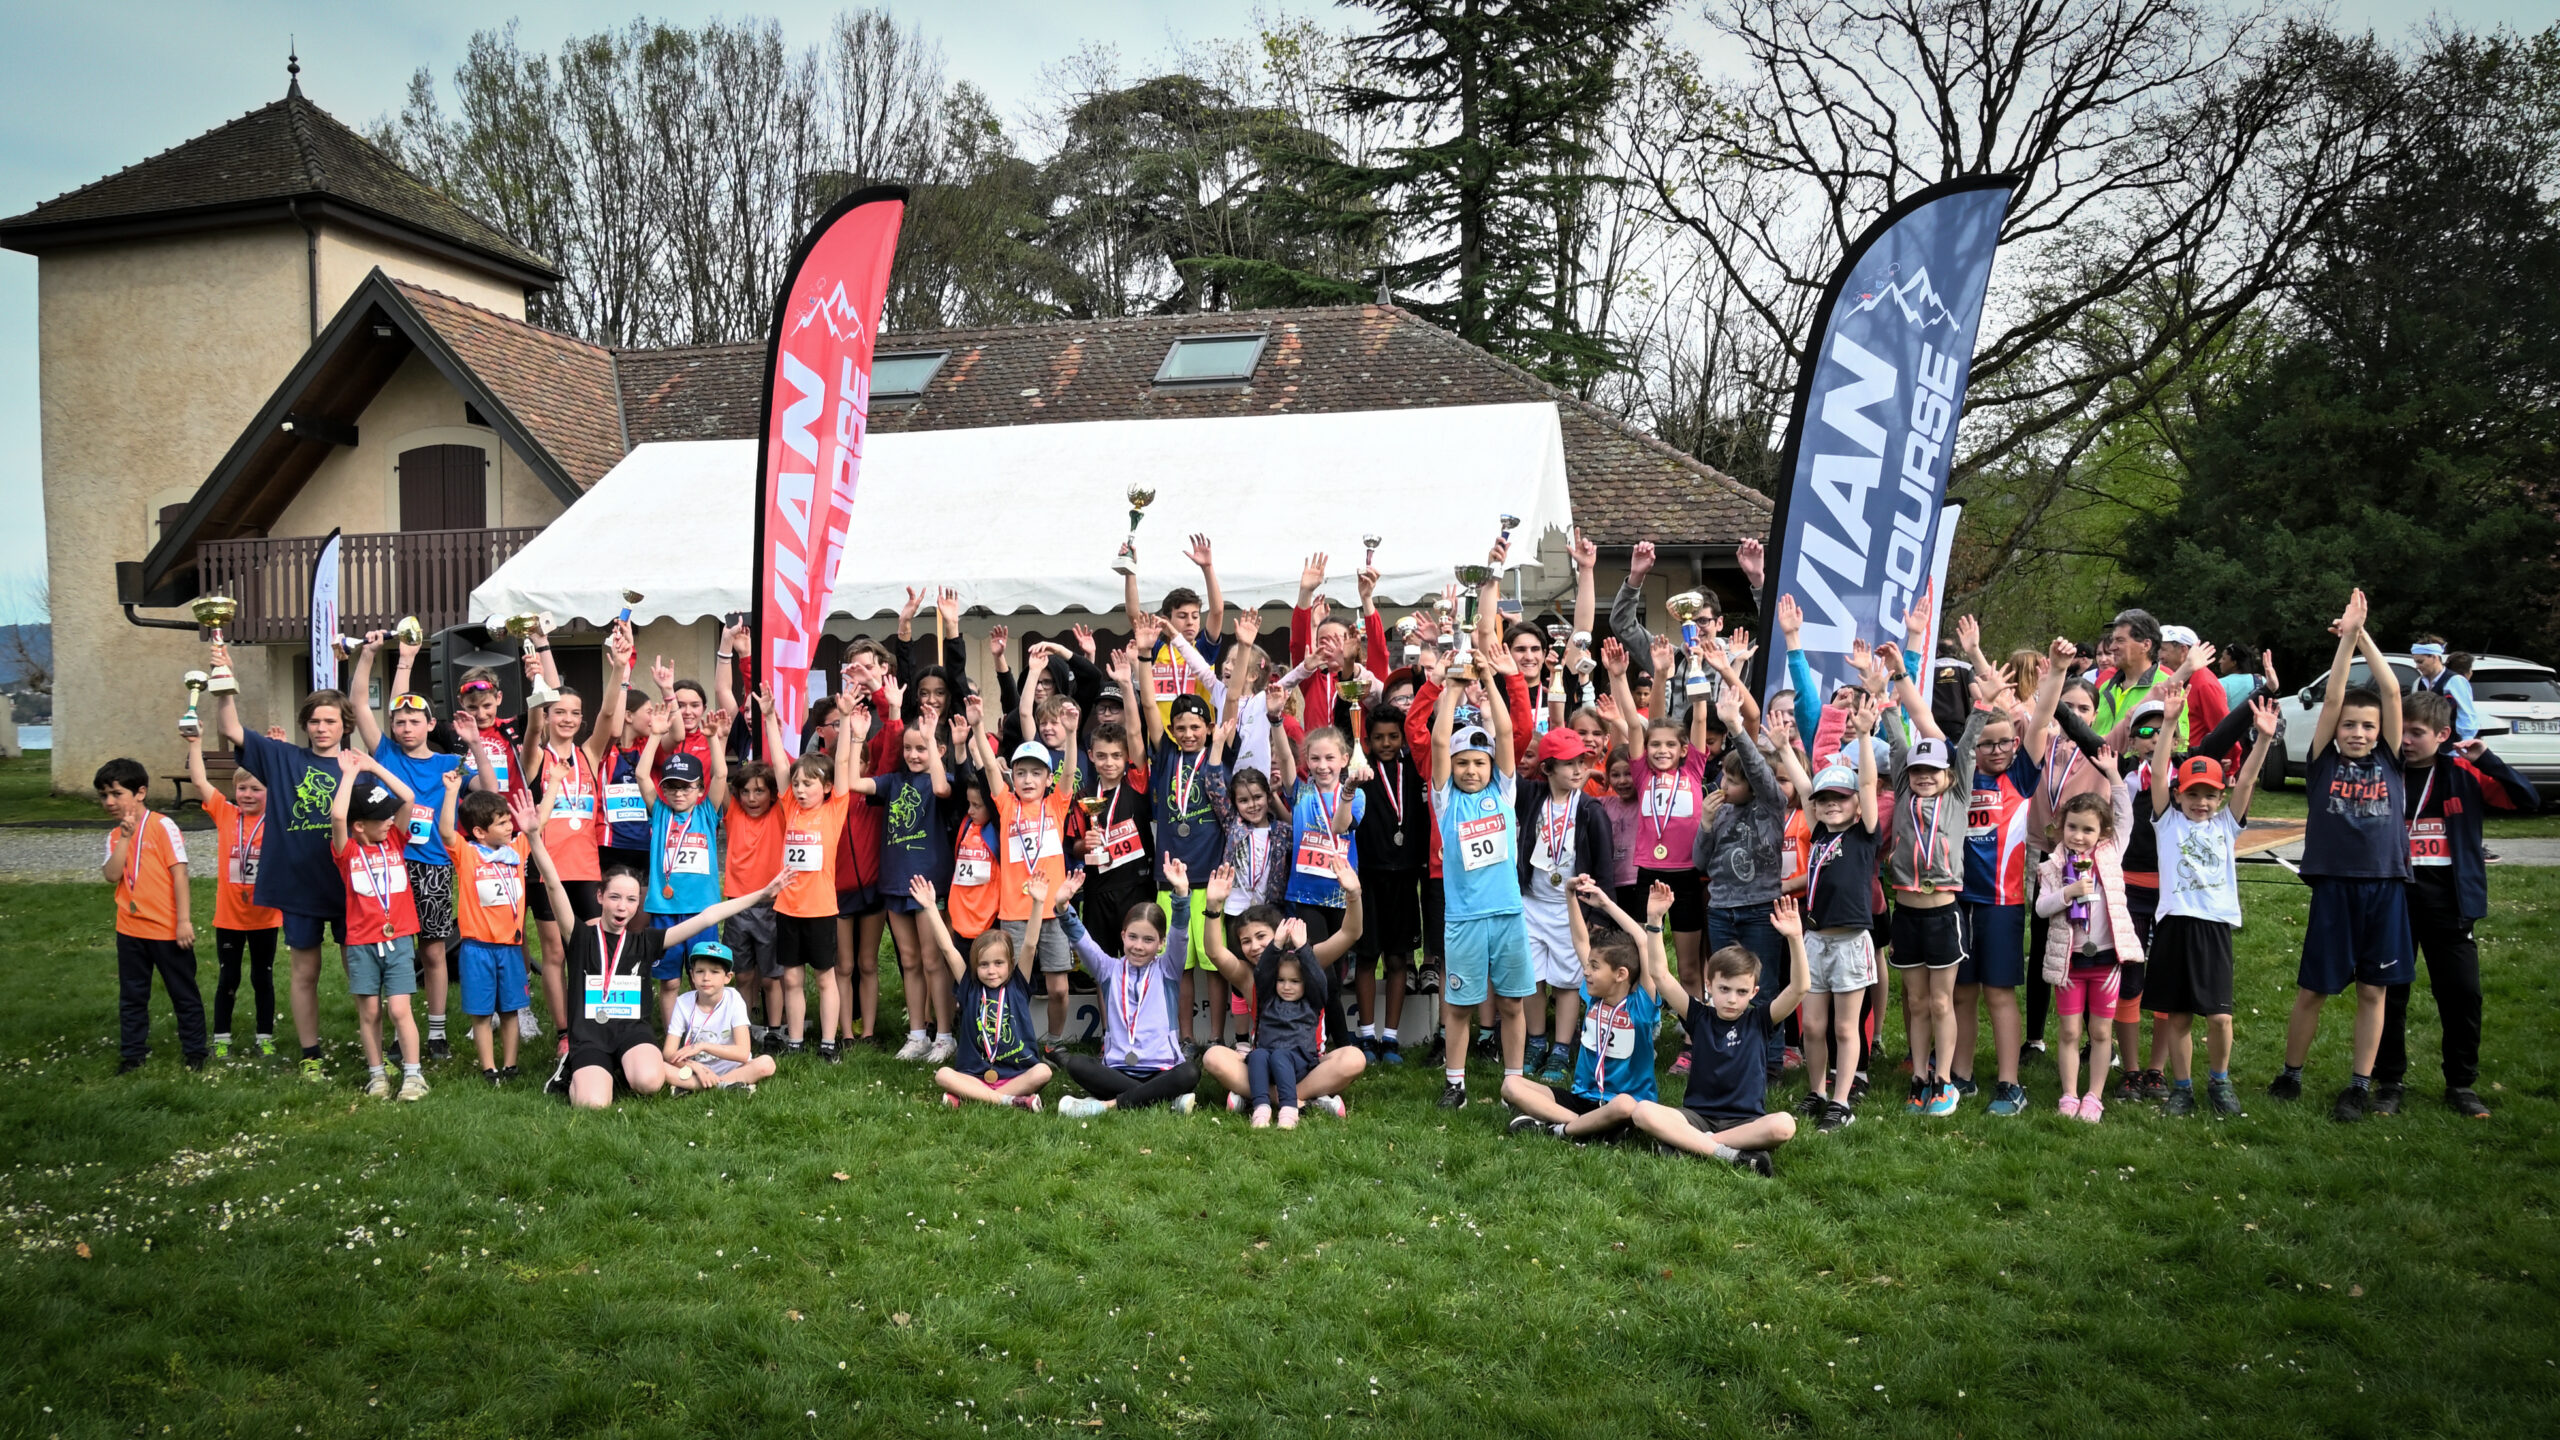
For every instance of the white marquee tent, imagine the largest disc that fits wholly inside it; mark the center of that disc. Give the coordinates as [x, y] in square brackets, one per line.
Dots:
[1026, 518]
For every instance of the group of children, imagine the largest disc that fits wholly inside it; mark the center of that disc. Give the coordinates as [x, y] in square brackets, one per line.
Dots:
[1579, 847]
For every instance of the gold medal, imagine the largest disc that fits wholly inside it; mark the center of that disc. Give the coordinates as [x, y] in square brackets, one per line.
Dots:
[1661, 852]
[991, 1077]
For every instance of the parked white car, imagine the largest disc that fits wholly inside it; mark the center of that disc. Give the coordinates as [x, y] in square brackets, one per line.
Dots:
[2518, 701]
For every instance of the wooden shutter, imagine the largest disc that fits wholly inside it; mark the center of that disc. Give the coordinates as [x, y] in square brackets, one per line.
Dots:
[444, 487]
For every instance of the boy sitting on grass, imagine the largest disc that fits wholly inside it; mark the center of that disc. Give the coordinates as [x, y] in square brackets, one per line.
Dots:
[1624, 981]
[1723, 1114]
[709, 1045]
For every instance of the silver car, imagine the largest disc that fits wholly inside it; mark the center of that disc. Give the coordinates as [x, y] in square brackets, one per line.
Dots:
[2518, 702]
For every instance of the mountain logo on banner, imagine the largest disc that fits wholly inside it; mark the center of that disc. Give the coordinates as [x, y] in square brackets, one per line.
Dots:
[843, 321]
[1904, 293]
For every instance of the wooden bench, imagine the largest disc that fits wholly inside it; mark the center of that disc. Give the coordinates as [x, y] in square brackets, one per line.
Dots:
[218, 767]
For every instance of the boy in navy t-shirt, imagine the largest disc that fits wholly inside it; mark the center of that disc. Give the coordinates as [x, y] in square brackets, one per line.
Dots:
[2355, 855]
[1723, 1114]
[1624, 979]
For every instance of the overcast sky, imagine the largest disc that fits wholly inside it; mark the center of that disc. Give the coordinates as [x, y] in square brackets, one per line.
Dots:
[95, 87]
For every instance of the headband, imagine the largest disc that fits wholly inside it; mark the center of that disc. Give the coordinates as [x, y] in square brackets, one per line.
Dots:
[2426, 649]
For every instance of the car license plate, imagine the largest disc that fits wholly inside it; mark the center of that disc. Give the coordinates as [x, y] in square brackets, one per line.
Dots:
[2538, 727]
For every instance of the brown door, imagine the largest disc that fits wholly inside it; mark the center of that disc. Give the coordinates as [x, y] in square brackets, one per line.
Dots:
[444, 487]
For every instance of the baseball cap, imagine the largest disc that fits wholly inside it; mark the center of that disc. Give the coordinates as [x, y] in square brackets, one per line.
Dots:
[1188, 705]
[681, 768]
[1835, 778]
[1561, 745]
[713, 951]
[374, 801]
[1927, 753]
[2200, 770]
[2177, 635]
[1471, 738]
[1038, 754]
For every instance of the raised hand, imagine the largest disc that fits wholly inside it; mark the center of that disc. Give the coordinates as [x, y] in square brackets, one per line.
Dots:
[1613, 656]
[1657, 903]
[1084, 639]
[2200, 658]
[1319, 610]
[1586, 551]
[999, 642]
[1248, 626]
[738, 639]
[1639, 562]
[1367, 575]
[1661, 655]
[2062, 652]
[1785, 918]
[452, 780]
[520, 809]
[1346, 877]
[662, 674]
[716, 723]
[1790, 620]
[1313, 574]
[1753, 559]
[1291, 935]
[977, 708]
[1969, 634]
[908, 608]
[947, 604]
[2264, 715]
[1177, 877]
[1890, 657]
[1915, 621]
[1221, 881]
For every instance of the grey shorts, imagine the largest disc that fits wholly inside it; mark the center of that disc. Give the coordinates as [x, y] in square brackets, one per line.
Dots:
[1838, 962]
[390, 968]
[431, 890]
[752, 947]
[1057, 957]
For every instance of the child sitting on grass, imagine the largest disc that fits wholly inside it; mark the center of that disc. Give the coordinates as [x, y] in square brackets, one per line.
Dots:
[997, 1060]
[1624, 979]
[1142, 1061]
[1295, 1003]
[1725, 1114]
[709, 1044]
[2083, 882]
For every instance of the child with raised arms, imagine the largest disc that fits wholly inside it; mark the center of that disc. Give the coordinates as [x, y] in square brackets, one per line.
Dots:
[1741, 846]
[1932, 780]
[709, 1044]
[1031, 839]
[1623, 982]
[1186, 623]
[751, 831]
[1142, 1061]
[998, 1059]
[1475, 801]
[1303, 1018]
[558, 764]
[1671, 795]
[912, 798]
[243, 930]
[381, 954]
[1838, 917]
[413, 757]
[804, 909]
[1724, 1112]
[2189, 965]
[685, 808]
[1567, 836]
[1181, 767]
[491, 838]
[1394, 854]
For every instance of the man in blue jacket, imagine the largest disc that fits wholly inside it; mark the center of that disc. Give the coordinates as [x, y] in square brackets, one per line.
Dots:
[2450, 787]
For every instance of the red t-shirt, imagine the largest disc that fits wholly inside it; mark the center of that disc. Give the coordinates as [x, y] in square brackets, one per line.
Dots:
[379, 907]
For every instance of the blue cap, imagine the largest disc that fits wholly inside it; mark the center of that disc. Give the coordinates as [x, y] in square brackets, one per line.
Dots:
[1835, 776]
[712, 950]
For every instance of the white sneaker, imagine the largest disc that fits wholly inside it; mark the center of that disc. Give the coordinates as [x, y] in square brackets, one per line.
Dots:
[1235, 1103]
[413, 1087]
[943, 1049]
[915, 1048]
[1330, 1105]
[1078, 1107]
[380, 1089]
[1182, 1104]
[527, 1026]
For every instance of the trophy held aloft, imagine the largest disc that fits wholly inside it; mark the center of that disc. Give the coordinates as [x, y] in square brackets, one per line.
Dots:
[212, 612]
[188, 724]
[1126, 562]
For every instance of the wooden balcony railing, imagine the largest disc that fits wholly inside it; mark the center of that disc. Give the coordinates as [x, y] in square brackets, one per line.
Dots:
[426, 573]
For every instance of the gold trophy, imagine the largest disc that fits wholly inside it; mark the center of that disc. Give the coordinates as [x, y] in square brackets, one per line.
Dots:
[210, 612]
[1091, 805]
[523, 626]
[409, 631]
[1126, 562]
[1470, 578]
[1684, 607]
[188, 724]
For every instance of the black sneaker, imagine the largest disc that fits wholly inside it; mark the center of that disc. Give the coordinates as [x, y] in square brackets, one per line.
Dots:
[1965, 1085]
[1453, 1096]
[2286, 1086]
[128, 1066]
[558, 1084]
[2223, 1096]
[490, 1074]
[1857, 1087]
[2152, 1085]
[1523, 1124]
[2181, 1101]
[830, 1054]
[196, 1062]
[1755, 1161]
[2354, 1103]
[507, 1073]
[2035, 1046]
[1835, 1117]
[439, 1048]
[1429, 980]
[2466, 1103]
[1814, 1105]
[2386, 1099]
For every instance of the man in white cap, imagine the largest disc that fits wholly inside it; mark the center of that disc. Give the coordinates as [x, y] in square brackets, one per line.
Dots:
[2181, 655]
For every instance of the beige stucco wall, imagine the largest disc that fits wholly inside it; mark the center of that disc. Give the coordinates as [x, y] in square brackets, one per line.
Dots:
[152, 356]
[358, 488]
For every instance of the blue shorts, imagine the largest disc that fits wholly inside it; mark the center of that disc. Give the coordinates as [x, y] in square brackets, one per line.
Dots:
[302, 932]
[670, 964]
[2358, 933]
[1995, 945]
[1491, 949]
[390, 968]
[493, 977]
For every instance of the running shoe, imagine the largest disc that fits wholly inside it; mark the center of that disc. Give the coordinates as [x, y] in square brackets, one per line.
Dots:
[1079, 1107]
[1917, 1098]
[2092, 1109]
[2153, 1085]
[378, 1088]
[1945, 1100]
[490, 1074]
[2223, 1096]
[2352, 1105]
[1332, 1105]
[413, 1087]
[950, 1101]
[1453, 1096]
[1755, 1161]
[1183, 1104]
[1235, 1103]
[1558, 1069]
[439, 1048]
[942, 1050]
[1836, 1117]
[1030, 1102]
[2285, 1086]
[1390, 1053]
[1794, 1058]
[2008, 1098]
[2181, 1102]
[2386, 1099]
[1681, 1065]
[1524, 1125]
[915, 1047]
[311, 1071]
[1965, 1085]
[267, 1046]
[222, 1049]
[2465, 1102]
[2069, 1105]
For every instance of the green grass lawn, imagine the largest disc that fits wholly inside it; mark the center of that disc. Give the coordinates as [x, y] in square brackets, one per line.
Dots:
[26, 793]
[243, 1254]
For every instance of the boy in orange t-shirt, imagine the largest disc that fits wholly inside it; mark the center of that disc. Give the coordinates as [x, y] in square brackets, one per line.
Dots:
[147, 863]
[804, 914]
[1031, 831]
[242, 928]
[491, 837]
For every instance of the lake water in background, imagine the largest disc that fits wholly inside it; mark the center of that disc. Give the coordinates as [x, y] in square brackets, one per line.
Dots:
[35, 737]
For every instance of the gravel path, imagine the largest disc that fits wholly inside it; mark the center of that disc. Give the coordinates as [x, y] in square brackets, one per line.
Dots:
[31, 853]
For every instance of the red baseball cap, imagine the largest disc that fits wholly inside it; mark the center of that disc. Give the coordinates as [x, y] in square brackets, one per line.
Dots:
[1561, 745]
[2200, 770]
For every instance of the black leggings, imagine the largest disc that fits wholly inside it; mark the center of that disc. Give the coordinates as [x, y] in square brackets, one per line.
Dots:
[261, 948]
[1102, 1082]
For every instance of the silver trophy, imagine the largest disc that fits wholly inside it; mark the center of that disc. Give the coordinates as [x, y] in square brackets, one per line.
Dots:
[524, 627]
[1470, 578]
[1371, 543]
[188, 724]
[1126, 562]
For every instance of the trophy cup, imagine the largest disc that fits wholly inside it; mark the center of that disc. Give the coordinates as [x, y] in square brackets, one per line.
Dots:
[1126, 562]
[537, 691]
[1684, 607]
[1406, 631]
[629, 599]
[1509, 524]
[1470, 577]
[1370, 561]
[409, 631]
[188, 724]
[210, 612]
[1440, 611]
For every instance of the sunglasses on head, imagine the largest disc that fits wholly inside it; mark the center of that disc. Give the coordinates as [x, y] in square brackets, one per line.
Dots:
[403, 704]
[470, 685]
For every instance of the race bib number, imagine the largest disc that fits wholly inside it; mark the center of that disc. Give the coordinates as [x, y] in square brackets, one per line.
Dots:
[623, 805]
[1318, 852]
[393, 878]
[1675, 803]
[575, 804]
[1120, 845]
[2428, 844]
[422, 825]
[1982, 815]
[497, 762]
[690, 855]
[1027, 844]
[498, 889]
[621, 1002]
[1480, 841]
[972, 870]
[1167, 681]
[803, 852]
[243, 870]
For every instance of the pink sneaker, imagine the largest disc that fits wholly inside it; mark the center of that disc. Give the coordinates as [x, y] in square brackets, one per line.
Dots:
[950, 1099]
[1261, 1117]
[2070, 1105]
[1030, 1102]
[1681, 1065]
[2093, 1109]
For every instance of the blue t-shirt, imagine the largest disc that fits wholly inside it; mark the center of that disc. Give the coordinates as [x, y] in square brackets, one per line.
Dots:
[1310, 811]
[684, 857]
[424, 775]
[296, 871]
[622, 797]
[1728, 1059]
[911, 841]
[1479, 840]
[1616, 1054]
[2358, 828]
[1187, 827]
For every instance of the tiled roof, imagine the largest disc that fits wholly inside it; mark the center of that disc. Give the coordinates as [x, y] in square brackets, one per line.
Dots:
[1626, 485]
[291, 149]
[562, 389]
